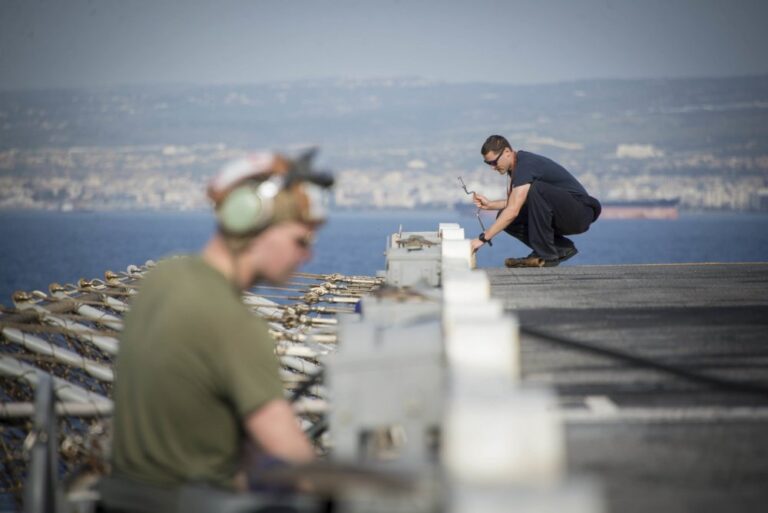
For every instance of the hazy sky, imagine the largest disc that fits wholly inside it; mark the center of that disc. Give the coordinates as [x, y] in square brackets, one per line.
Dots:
[105, 42]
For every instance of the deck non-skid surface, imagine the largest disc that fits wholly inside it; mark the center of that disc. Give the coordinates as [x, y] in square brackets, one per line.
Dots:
[657, 442]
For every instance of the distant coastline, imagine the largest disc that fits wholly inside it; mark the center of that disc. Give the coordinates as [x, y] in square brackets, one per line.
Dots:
[461, 209]
[391, 144]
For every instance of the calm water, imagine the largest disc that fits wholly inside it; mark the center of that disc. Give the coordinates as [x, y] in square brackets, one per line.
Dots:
[38, 248]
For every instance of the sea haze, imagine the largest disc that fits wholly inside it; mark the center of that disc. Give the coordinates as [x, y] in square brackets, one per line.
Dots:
[391, 143]
[39, 248]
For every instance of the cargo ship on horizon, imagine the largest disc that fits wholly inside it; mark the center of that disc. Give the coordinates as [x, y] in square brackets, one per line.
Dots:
[641, 209]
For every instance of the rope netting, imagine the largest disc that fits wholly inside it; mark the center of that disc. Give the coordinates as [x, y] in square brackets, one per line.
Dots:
[72, 332]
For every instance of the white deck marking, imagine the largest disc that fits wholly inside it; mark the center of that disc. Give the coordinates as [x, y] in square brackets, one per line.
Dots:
[601, 405]
[665, 414]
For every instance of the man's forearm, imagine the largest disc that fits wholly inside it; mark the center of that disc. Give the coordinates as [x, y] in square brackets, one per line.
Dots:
[506, 216]
[274, 427]
[496, 205]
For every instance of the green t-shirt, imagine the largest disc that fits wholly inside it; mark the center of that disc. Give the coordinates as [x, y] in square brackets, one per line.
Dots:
[193, 363]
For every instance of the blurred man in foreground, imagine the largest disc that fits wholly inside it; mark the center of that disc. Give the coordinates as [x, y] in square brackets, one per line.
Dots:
[197, 376]
[544, 203]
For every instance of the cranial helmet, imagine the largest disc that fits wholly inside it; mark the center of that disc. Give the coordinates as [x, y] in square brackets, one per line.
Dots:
[255, 192]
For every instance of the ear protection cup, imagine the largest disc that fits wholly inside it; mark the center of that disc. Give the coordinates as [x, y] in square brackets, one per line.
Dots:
[245, 210]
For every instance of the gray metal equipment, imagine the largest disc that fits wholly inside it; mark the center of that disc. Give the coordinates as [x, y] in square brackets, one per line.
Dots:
[387, 382]
[40, 491]
[413, 258]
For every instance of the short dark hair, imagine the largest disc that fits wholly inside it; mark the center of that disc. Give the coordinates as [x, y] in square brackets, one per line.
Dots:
[495, 143]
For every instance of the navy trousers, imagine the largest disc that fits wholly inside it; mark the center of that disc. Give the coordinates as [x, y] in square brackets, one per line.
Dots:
[550, 213]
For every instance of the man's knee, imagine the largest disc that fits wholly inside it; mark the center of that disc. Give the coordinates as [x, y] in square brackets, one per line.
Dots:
[518, 228]
[534, 189]
[544, 189]
[517, 231]
[541, 192]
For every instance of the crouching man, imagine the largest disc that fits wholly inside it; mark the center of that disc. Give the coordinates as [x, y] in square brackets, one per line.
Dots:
[544, 203]
[197, 376]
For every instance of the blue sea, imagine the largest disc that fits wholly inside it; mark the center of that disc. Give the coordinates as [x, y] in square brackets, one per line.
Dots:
[42, 247]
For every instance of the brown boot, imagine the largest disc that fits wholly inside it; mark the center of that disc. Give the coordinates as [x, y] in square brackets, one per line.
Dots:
[529, 261]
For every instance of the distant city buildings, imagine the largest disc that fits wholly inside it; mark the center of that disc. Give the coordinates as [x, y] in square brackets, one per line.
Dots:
[392, 143]
[174, 177]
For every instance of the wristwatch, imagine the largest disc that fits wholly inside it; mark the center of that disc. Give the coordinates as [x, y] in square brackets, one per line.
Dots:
[483, 239]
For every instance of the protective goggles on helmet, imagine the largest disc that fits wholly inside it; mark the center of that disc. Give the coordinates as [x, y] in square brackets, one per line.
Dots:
[253, 193]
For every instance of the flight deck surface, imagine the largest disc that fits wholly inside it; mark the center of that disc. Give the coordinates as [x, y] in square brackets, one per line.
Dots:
[657, 441]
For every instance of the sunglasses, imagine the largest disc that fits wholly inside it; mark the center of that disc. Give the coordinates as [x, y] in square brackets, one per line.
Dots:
[495, 161]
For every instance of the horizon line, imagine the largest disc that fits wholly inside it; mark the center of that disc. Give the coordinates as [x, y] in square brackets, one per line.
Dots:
[367, 81]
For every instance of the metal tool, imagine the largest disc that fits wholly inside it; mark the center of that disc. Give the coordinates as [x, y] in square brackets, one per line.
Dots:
[477, 213]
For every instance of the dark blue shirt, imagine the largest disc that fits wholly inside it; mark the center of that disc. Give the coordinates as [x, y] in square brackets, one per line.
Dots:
[530, 168]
